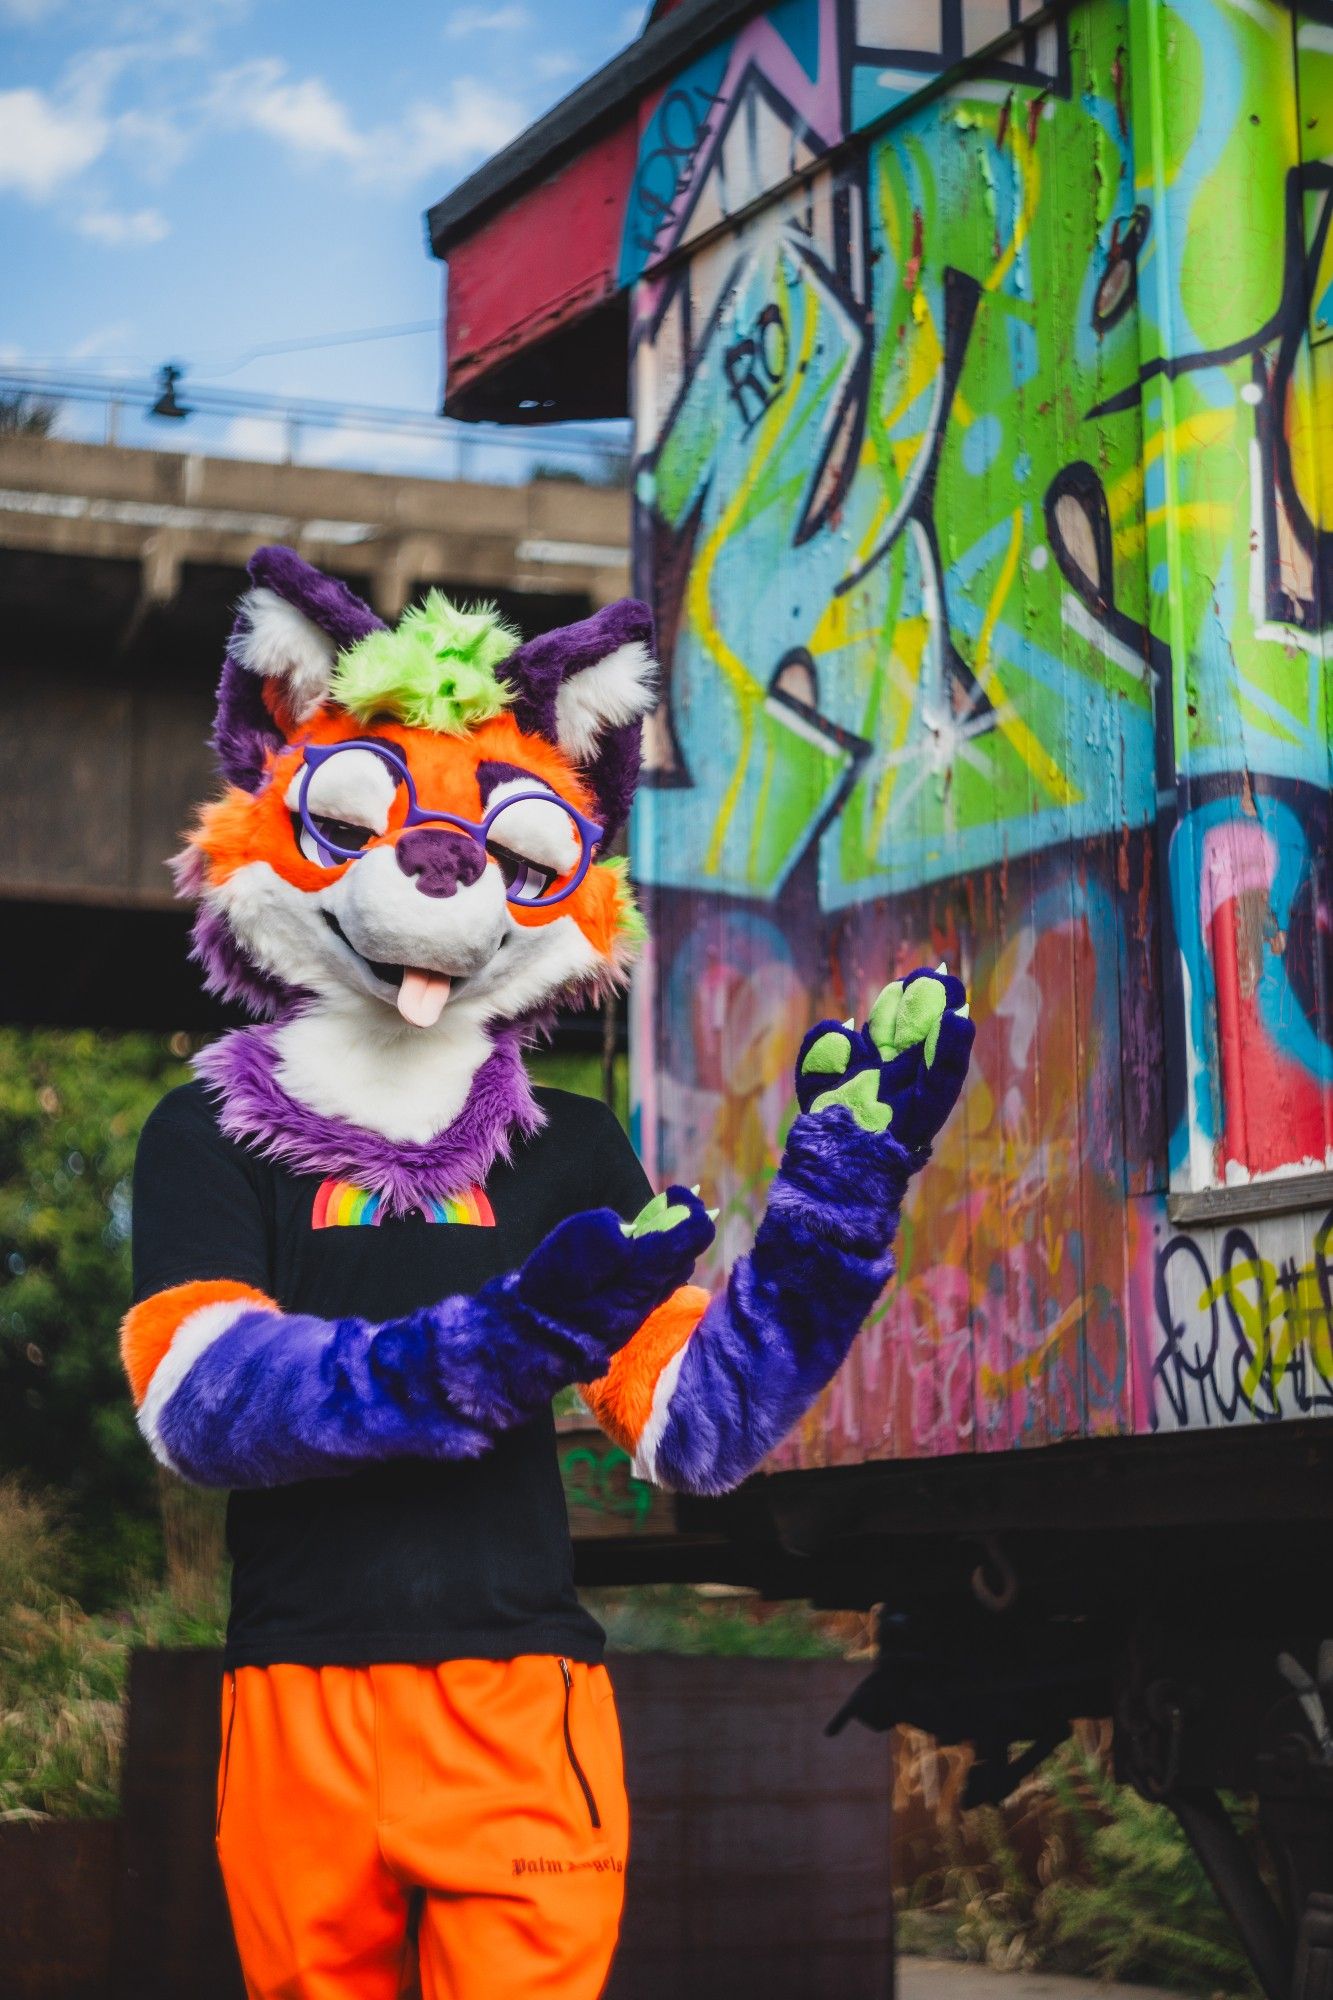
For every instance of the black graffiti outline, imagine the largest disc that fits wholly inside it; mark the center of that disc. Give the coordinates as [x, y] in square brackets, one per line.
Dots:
[1174, 1370]
[1122, 262]
[1080, 481]
[746, 356]
[1290, 307]
[644, 198]
[751, 87]
[950, 53]
[1286, 330]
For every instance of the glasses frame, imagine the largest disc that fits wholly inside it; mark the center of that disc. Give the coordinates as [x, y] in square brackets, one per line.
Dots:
[315, 754]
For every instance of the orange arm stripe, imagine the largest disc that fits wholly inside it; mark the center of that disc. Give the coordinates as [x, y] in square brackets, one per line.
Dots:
[148, 1329]
[622, 1400]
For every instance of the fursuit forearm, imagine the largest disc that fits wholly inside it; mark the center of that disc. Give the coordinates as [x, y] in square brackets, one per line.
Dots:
[232, 1391]
[707, 1388]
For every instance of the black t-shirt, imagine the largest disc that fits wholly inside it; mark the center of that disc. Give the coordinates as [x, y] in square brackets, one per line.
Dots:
[413, 1560]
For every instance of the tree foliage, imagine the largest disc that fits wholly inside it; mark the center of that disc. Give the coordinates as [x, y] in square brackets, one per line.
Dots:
[71, 1106]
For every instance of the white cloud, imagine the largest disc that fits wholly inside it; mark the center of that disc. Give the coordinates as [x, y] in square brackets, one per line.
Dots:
[154, 142]
[28, 13]
[487, 21]
[123, 229]
[103, 340]
[263, 438]
[45, 142]
[556, 62]
[49, 137]
[374, 450]
[303, 115]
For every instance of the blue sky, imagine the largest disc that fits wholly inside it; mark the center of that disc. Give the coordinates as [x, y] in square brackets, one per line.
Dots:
[189, 179]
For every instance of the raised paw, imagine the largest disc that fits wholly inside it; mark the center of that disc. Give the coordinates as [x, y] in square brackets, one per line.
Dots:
[903, 1070]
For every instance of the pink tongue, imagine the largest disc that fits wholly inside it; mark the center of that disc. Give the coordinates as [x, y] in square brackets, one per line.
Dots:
[421, 997]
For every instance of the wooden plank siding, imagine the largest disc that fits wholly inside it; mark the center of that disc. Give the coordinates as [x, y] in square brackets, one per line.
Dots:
[1000, 433]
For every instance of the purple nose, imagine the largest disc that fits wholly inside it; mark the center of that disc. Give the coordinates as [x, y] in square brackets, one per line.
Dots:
[438, 860]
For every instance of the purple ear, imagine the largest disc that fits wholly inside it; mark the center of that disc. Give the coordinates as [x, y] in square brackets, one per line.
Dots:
[289, 629]
[587, 688]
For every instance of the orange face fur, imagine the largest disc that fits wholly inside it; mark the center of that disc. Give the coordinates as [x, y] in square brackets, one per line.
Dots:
[242, 828]
[331, 927]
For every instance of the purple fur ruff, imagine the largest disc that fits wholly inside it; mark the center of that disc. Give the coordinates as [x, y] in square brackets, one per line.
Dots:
[244, 731]
[538, 670]
[254, 1109]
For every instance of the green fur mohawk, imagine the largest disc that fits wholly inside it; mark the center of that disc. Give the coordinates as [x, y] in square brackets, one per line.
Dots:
[436, 670]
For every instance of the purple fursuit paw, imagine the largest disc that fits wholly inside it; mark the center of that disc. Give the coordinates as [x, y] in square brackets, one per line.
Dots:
[900, 1073]
[601, 1277]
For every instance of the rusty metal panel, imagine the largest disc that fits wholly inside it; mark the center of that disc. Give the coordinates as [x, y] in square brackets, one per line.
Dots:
[541, 265]
[964, 446]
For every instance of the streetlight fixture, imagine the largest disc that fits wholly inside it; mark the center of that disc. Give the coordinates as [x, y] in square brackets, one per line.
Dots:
[168, 404]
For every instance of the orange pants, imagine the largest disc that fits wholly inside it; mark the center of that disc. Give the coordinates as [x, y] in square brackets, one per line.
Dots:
[464, 1824]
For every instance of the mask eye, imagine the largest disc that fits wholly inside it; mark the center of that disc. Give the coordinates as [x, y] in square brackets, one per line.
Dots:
[349, 800]
[524, 880]
[534, 843]
[339, 833]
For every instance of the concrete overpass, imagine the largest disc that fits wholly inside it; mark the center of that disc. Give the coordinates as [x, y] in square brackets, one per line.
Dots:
[118, 573]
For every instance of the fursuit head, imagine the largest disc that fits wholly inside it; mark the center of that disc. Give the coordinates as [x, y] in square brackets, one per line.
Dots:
[406, 873]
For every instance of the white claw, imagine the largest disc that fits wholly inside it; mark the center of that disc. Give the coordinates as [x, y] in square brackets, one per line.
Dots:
[695, 1189]
[941, 967]
[712, 1213]
[850, 1022]
[964, 1012]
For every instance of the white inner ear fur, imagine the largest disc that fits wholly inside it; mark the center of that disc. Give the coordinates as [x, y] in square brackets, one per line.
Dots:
[617, 690]
[280, 643]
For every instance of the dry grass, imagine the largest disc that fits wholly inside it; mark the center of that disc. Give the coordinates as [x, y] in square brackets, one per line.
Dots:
[62, 1672]
[1073, 1874]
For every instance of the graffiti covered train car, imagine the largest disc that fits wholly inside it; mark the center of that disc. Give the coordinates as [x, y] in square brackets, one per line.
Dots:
[981, 493]
[980, 357]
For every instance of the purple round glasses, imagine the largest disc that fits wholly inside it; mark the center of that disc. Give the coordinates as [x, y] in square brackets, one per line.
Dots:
[526, 869]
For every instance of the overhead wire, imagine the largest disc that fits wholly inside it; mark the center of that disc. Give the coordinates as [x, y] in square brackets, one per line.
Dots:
[300, 412]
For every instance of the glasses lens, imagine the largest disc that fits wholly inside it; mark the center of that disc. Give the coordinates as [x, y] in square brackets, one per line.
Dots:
[537, 846]
[348, 800]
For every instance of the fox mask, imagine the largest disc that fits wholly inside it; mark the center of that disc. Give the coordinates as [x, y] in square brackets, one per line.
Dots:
[407, 861]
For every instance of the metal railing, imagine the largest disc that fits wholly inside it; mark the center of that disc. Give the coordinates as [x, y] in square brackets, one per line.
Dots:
[597, 453]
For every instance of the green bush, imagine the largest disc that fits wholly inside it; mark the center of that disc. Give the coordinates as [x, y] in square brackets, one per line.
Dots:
[71, 1107]
[1114, 1891]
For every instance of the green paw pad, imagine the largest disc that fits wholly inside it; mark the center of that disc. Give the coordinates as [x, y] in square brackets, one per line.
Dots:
[860, 1096]
[829, 1056]
[908, 1017]
[658, 1215]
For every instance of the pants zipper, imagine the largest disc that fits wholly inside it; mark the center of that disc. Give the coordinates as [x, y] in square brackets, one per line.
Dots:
[226, 1760]
[574, 1763]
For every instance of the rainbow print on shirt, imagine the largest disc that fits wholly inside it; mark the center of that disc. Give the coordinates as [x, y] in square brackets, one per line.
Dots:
[339, 1205]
